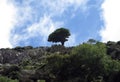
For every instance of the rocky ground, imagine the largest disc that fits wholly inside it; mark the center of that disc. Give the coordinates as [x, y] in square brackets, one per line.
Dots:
[22, 62]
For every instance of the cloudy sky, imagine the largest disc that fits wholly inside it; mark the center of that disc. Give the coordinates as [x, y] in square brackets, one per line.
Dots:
[29, 22]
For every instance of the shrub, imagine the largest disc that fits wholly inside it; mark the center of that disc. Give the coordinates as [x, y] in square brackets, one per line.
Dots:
[94, 62]
[18, 48]
[5, 79]
[11, 71]
[28, 47]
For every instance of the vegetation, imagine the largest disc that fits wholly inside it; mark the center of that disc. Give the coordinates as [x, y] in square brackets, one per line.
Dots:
[92, 61]
[86, 63]
[91, 41]
[5, 79]
[59, 35]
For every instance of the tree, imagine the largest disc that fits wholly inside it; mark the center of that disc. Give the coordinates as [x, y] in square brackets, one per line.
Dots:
[59, 35]
[91, 41]
[94, 63]
[85, 63]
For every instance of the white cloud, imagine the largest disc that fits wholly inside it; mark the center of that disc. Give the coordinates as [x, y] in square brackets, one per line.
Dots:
[58, 7]
[71, 40]
[42, 28]
[111, 16]
[43, 11]
[7, 16]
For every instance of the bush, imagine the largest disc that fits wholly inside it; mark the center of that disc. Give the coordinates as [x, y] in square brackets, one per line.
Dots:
[59, 48]
[18, 48]
[5, 79]
[118, 42]
[94, 62]
[11, 71]
[86, 63]
[28, 47]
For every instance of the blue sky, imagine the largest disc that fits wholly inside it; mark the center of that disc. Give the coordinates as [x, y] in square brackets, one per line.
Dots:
[29, 22]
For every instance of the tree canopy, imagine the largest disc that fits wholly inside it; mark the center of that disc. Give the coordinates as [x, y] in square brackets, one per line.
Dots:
[59, 35]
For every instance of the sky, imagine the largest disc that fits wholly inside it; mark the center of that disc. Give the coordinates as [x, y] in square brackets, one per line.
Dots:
[29, 22]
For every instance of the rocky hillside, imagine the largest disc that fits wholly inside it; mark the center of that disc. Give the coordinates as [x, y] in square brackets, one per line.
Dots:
[19, 54]
[62, 64]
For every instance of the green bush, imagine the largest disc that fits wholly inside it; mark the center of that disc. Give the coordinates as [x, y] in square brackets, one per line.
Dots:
[86, 63]
[5, 79]
[11, 71]
[94, 62]
[18, 48]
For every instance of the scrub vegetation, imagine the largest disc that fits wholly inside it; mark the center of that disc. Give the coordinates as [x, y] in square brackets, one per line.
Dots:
[87, 62]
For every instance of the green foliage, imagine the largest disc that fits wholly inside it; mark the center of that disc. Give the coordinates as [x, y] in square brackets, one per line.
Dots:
[18, 48]
[94, 61]
[11, 71]
[59, 35]
[118, 42]
[5, 79]
[91, 41]
[86, 63]
[87, 57]
[55, 63]
[82, 63]
[89, 62]
[41, 80]
[59, 49]
[113, 49]
[56, 60]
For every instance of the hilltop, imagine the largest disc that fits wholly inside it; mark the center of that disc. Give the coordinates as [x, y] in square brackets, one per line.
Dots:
[83, 63]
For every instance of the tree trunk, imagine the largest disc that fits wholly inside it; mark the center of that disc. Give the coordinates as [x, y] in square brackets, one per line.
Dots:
[62, 43]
